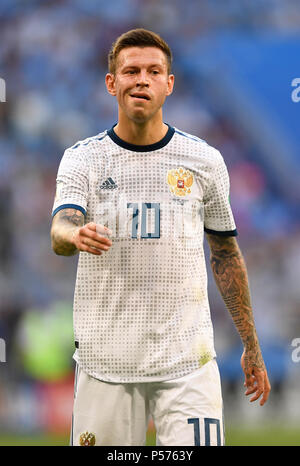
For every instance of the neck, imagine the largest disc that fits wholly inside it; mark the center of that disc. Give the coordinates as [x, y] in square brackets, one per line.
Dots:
[141, 134]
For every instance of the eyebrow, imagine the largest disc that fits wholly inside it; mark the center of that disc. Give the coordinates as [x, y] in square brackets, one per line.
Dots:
[153, 65]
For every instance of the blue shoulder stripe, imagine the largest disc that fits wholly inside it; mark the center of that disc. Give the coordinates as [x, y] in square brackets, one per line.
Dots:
[221, 233]
[89, 140]
[69, 206]
[189, 136]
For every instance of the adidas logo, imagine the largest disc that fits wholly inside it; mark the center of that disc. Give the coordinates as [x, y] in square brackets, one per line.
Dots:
[109, 184]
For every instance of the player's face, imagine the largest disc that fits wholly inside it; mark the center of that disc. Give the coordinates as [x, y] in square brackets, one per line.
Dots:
[141, 83]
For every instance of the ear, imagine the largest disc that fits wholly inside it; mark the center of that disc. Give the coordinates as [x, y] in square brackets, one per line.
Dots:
[171, 79]
[110, 84]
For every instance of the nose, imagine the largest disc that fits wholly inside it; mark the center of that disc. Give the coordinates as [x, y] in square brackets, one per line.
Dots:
[142, 79]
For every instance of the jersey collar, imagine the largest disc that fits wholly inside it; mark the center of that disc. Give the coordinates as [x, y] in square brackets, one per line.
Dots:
[146, 148]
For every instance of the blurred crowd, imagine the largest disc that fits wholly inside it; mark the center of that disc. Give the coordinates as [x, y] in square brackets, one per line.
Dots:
[53, 57]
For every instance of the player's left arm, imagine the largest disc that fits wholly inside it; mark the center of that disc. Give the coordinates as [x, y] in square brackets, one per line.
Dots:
[230, 273]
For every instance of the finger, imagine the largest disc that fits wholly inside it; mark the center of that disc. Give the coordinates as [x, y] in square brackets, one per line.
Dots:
[260, 386]
[96, 229]
[102, 230]
[104, 239]
[264, 397]
[257, 395]
[249, 379]
[250, 383]
[266, 392]
[94, 251]
[99, 238]
[94, 239]
[249, 390]
[91, 226]
[88, 242]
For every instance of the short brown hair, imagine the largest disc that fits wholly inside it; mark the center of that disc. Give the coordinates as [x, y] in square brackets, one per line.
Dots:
[138, 38]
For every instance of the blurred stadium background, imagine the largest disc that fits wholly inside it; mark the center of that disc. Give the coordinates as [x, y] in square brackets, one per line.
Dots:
[234, 63]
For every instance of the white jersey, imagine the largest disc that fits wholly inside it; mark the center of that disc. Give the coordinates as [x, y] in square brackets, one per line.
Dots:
[141, 310]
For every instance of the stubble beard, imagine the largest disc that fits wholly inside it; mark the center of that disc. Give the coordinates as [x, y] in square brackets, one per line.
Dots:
[141, 117]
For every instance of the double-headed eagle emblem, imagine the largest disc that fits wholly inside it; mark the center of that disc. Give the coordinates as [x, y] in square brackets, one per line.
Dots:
[87, 439]
[180, 181]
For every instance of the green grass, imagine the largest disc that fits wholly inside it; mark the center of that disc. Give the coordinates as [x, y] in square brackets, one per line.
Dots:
[33, 440]
[235, 436]
[263, 436]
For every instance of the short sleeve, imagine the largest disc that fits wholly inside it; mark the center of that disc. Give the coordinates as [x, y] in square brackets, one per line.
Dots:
[218, 216]
[71, 182]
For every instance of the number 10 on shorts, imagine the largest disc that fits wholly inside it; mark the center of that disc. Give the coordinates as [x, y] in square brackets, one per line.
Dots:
[212, 431]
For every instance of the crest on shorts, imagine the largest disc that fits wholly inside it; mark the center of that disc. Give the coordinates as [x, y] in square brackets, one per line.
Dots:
[180, 181]
[87, 439]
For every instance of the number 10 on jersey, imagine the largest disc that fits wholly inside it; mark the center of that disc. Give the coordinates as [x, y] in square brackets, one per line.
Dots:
[141, 216]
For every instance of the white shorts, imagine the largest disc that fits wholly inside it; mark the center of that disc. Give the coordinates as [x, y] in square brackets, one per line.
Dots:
[186, 411]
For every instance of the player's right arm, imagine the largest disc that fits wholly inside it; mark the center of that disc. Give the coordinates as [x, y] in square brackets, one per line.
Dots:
[69, 235]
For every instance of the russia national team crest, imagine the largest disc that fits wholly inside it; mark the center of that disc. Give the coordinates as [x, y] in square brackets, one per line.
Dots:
[180, 181]
[87, 439]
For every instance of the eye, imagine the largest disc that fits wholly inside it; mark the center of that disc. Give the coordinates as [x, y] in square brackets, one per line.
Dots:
[155, 72]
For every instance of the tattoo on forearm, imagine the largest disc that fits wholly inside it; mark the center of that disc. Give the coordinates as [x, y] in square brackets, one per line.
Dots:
[72, 216]
[63, 225]
[231, 277]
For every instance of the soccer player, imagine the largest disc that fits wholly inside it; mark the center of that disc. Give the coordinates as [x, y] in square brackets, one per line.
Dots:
[135, 201]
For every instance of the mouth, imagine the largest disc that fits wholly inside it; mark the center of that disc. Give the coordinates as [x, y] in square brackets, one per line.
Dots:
[140, 96]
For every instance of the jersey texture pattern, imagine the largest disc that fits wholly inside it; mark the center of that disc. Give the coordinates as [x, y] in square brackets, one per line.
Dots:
[141, 310]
